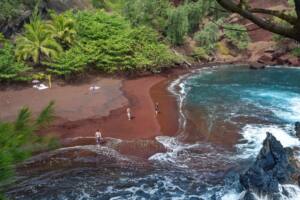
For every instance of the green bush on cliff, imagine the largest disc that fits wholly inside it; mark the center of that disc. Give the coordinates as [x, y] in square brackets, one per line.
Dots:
[208, 37]
[152, 13]
[10, 69]
[110, 44]
[237, 34]
[178, 25]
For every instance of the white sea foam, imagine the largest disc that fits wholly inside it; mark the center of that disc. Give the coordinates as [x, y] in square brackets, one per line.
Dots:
[232, 195]
[285, 105]
[254, 135]
[292, 191]
[173, 147]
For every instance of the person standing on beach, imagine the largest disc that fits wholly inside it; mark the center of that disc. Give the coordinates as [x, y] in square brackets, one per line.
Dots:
[98, 137]
[157, 108]
[128, 110]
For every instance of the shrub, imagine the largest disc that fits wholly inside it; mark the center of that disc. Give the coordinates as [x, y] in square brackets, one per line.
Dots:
[208, 37]
[296, 52]
[195, 12]
[10, 69]
[199, 54]
[177, 25]
[237, 35]
[151, 13]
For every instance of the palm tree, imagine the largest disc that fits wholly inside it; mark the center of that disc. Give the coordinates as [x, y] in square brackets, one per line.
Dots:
[18, 139]
[62, 29]
[36, 42]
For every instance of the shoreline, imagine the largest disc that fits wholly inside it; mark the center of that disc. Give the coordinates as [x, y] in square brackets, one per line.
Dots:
[140, 94]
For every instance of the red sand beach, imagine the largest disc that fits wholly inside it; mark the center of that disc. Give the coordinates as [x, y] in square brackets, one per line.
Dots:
[80, 112]
[143, 126]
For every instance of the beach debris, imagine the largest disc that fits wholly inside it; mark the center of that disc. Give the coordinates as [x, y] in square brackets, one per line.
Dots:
[40, 86]
[94, 87]
[35, 81]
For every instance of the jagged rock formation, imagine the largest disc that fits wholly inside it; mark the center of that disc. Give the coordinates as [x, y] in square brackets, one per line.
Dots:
[270, 169]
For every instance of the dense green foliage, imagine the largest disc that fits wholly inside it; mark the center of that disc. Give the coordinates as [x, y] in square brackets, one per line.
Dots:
[17, 139]
[178, 25]
[237, 35]
[131, 37]
[9, 9]
[151, 13]
[62, 29]
[175, 22]
[208, 37]
[10, 69]
[211, 33]
[109, 44]
[195, 12]
[36, 42]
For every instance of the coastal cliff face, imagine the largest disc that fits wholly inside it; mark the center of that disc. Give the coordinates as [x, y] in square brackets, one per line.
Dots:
[271, 168]
[23, 13]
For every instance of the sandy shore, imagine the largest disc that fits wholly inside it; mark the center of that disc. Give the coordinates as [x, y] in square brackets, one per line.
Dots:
[80, 112]
[72, 101]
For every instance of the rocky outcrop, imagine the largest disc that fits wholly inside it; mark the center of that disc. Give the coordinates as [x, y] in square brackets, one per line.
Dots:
[297, 129]
[270, 169]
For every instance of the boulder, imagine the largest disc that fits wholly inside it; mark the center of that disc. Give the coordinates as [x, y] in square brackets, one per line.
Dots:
[270, 169]
[256, 66]
[249, 196]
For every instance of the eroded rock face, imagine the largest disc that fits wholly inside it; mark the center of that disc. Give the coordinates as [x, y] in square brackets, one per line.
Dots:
[270, 169]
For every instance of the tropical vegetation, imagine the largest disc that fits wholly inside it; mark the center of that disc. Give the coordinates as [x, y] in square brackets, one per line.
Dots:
[18, 139]
[10, 68]
[117, 37]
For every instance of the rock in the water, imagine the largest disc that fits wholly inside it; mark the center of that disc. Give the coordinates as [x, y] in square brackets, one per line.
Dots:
[256, 66]
[270, 168]
[249, 196]
[297, 129]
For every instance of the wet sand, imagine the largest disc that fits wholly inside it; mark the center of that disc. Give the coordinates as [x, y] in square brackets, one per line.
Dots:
[144, 124]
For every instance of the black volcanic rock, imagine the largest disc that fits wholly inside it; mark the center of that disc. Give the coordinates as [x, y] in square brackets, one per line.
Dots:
[249, 196]
[270, 168]
[297, 129]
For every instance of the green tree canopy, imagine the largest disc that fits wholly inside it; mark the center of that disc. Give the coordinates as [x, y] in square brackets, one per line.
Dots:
[36, 42]
[10, 69]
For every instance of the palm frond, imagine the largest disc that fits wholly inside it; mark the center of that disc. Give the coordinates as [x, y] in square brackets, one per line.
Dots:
[46, 116]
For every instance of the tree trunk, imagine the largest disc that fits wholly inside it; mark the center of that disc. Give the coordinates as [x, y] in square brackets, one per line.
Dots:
[290, 32]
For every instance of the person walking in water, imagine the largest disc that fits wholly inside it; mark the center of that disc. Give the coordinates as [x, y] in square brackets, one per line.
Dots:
[98, 137]
[128, 110]
[157, 108]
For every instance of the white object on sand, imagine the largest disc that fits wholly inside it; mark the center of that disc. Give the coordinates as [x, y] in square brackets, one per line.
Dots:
[94, 87]
[35, 81]
[40, 86]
